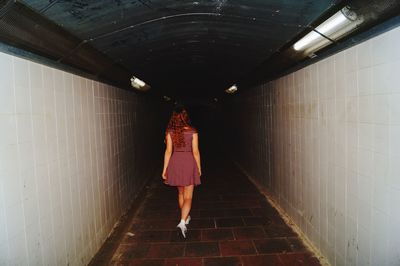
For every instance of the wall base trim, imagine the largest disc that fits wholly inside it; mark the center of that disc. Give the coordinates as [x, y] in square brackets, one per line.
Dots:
[288, 220]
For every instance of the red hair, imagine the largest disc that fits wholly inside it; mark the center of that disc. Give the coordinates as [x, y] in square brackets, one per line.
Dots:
[179, 120]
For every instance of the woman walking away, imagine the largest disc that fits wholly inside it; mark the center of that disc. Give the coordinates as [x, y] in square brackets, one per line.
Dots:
[182, 162]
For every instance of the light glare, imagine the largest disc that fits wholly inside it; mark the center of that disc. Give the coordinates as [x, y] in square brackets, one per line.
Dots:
[330, 26]
[232, 89]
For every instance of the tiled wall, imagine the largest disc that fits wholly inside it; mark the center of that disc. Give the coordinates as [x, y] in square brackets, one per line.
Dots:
[73, 155]
[325, 141]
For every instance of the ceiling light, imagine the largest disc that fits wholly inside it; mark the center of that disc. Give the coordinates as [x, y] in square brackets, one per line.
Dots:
[334, 28]
[139, 84]
[232, 89]
[166, 98]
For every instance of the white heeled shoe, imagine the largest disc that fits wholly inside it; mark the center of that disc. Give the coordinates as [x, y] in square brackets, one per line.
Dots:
[183, 228]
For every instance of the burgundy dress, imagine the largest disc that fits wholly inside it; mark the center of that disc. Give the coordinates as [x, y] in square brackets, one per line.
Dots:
[182, 169]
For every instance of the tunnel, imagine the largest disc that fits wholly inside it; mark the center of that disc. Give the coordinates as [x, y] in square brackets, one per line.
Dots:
[297, 109]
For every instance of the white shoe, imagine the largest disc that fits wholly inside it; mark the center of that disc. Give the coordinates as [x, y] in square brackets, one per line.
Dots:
[188, 220]
[183, 228]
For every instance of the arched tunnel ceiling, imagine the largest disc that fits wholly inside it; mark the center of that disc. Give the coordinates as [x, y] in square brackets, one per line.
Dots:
[186, 48]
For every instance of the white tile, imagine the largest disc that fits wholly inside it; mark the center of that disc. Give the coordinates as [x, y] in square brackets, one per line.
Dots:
[29, 194]
[352, 242]
[67, 80]
[3, 225]
[24, 128]
[322, 81]
[7, 99]
[15, 220]
[364, 58]
[48, 77]
[394, 201]
[366, 136]
[381, 139]
[366, 109]
[379, 238]
[395, 38]
[12, 189]
[365, 189]
[364, 247]
[394, 77]
[393, 253]
[8, 129]
[381, 197]
[38, 101]
[21, 72]
[34, 245]
[381, 49]
[381, 109]
[351, 85]
[9, 160]
[48, 249]
[25, 157]
[394, 171]
[18, 254]
[394, 108]
[394, 139]
[330, 79]
[381, 78]
[3, 253]
[340, 109]
[35, 76]
[23, 99]
[39, 137]
[351, 59]
[381, 169]
[58, 80]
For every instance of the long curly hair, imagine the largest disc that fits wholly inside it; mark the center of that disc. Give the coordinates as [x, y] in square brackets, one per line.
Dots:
[179, 120]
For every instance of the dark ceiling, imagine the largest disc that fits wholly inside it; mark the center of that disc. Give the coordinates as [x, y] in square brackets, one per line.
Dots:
[186, 48]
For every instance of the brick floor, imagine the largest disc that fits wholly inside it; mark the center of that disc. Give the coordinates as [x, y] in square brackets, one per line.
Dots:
[232, 224]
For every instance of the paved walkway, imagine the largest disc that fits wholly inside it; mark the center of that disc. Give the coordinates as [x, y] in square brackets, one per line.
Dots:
[232, 224]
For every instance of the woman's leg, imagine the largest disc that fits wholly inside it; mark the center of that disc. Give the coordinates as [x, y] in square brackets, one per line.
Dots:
[180, 196]
[187, 201]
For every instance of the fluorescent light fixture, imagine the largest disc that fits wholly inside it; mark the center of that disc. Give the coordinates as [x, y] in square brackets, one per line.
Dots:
[166, 98]
[232, 89]
[139, 84]
[334, 28]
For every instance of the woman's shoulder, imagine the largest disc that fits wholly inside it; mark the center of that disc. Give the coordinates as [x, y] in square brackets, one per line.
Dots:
[191, 130]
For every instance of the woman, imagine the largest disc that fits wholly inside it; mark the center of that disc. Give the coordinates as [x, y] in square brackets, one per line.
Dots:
[182, 162]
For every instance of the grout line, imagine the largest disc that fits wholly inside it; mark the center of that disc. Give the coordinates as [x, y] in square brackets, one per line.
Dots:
[184, 249]
[254, 245]
[288, 220]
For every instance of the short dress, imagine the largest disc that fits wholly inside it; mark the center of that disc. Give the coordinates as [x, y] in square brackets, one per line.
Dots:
[182, 169]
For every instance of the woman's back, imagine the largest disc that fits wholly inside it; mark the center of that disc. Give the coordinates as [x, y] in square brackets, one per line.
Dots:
[188, 137]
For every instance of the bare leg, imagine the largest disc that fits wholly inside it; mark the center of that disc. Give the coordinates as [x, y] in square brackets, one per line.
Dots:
[187, 201]
[180, 197]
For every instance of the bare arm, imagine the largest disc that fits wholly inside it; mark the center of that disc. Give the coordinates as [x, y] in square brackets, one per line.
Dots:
[195, 149]
[167, 155]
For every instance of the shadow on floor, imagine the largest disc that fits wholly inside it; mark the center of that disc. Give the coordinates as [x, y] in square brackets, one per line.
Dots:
[232, 224]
